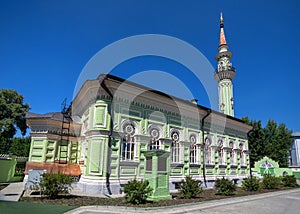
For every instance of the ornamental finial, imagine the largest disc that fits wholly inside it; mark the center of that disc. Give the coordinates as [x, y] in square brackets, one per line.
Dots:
[221, 18]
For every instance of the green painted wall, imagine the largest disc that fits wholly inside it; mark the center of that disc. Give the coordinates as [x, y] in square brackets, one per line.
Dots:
[145, 116]
[7, 169]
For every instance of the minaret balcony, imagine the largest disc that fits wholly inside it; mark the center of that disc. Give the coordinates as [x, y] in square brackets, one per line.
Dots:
[225, 74]
[230, 68]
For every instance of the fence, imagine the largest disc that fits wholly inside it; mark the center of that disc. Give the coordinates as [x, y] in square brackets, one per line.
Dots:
[11, 168]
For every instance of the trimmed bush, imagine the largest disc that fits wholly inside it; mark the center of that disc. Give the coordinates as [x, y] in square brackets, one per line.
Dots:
[270, 182]
[224, 187]
[190, 188]
[136, 192]
[251, 184]
[289, 181]
[54, 184]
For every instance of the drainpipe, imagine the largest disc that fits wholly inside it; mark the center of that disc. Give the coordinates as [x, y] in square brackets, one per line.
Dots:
[109, 137]
[248, 135]
[203, 143]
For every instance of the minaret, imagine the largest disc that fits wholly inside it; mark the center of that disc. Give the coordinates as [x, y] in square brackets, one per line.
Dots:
[224, 74]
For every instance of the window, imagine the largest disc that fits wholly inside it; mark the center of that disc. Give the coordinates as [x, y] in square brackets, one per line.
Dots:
[128, 143]
[154, 142]
[232, 153]
[194, 150]
[208, 151]
[175, 153]
[242, 155]
[221, 155]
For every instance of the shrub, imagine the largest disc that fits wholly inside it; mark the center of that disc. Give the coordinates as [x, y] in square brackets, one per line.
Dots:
[224, 186]
[270, 182]
[251, 184]
[190, 188]
[20, 168]
[289, 181]
[53, 184]
[136, 192]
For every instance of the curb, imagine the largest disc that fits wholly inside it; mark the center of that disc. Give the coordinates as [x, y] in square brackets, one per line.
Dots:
[181, 208]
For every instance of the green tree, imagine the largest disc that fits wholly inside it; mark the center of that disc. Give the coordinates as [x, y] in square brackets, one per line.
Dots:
[278, 142]
[20, 146]
[273, 141]
[12, 117]
[256, 140]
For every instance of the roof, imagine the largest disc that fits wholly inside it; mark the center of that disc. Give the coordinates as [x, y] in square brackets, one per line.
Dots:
[222, 33]
[50, 115]
[296, 134]
[119, 79]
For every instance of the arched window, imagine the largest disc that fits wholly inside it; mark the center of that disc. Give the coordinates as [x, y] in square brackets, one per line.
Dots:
[154, 142]
[128, 142]
[208, 151]
[221, 155]
[242, 155]
[232, 153]
[194, 150]
[175, 150]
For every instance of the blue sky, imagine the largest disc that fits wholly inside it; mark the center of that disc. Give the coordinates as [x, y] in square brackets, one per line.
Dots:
[44, 46]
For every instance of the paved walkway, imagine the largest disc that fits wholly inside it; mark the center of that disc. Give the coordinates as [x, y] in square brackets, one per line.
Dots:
[274, 203]
[287, 201]
[12, 192]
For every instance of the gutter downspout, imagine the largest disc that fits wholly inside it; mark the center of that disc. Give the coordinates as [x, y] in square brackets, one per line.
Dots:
[248, 135]
[203, 143]
[108, 161]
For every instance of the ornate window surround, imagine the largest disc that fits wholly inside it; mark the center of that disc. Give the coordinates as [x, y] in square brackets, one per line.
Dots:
[128, 147]
[176, 147]
[194, 149]
[208, 150]
[155, 135]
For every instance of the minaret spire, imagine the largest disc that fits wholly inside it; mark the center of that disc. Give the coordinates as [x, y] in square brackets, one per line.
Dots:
[222, 33]
[224, 74]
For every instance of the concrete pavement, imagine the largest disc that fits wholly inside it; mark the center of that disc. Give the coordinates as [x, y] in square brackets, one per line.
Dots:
[12, 192]
[287, 201]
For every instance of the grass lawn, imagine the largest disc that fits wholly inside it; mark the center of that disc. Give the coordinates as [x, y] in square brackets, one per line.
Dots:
[32, 208]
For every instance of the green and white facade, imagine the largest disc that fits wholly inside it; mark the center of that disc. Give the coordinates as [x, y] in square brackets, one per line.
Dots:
[117, 122]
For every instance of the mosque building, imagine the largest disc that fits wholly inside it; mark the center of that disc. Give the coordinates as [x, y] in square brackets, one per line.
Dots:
[105, 137]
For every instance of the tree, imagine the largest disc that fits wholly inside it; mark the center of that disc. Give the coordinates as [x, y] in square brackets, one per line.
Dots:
[12, 117]
[278, 142]
[256, 141]
[273, 141]
[20, 146]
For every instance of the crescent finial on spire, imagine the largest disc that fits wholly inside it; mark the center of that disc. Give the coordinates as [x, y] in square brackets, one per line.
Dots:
[221, 17]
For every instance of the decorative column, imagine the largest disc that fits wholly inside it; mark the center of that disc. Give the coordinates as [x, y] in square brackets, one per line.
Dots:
[157, 173]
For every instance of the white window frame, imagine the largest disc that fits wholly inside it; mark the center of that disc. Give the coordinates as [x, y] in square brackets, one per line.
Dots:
[176, 152]
[128, 149]
[222, 156]
[155, 144]
[208, 151]
[195, 153]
